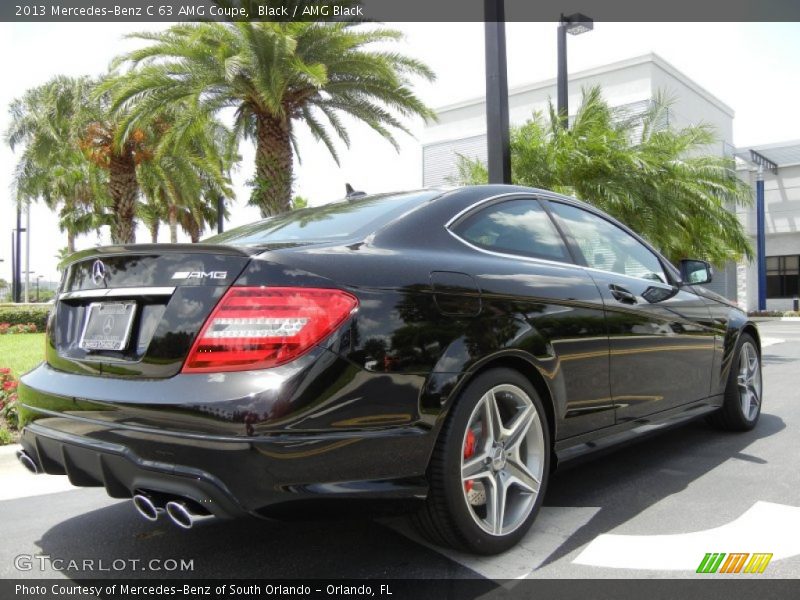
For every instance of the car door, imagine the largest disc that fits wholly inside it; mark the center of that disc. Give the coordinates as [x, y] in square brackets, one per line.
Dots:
[660, 336]
[527, 274]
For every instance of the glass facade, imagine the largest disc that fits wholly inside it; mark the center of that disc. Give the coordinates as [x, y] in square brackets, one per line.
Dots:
[783, 276]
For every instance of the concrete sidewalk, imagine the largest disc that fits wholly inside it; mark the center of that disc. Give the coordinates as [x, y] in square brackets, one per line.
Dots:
[18, 482]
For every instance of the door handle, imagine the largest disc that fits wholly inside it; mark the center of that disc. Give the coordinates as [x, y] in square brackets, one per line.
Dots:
[621, 294]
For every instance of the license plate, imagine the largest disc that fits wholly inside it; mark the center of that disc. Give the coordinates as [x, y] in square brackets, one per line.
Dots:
[107, 326]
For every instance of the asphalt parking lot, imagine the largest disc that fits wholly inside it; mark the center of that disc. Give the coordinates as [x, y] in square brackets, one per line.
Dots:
[651, 509]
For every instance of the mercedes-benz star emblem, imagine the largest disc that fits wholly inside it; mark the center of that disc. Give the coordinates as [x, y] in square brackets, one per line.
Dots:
[98, 272]
[108, 325]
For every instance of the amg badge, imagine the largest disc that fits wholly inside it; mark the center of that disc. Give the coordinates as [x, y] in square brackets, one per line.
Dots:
[200, 275]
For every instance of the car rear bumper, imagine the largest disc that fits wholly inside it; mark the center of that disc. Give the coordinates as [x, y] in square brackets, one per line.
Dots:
[228, 465]
[90, 462]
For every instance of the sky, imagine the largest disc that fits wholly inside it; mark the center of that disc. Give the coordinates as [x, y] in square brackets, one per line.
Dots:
[752, 67]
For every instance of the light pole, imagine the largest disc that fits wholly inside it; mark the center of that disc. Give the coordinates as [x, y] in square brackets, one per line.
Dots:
[497, 135]
[27, 252]
[16, 263]
[574, 24]
[18, 255]
[220, 214]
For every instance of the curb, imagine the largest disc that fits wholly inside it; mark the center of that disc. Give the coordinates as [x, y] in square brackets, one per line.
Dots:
[10, 449]
[768, 319]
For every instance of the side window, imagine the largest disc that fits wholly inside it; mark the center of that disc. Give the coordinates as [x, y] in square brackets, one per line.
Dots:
[607, 247]
[519, 227]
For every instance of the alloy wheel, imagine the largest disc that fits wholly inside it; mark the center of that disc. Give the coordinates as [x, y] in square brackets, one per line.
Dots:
[749, 381]
[503, 459]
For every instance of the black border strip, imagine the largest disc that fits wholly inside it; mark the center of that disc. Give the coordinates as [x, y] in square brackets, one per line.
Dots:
[396, 10]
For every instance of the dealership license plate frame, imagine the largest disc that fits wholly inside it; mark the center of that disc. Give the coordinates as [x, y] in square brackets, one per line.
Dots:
[119, 330]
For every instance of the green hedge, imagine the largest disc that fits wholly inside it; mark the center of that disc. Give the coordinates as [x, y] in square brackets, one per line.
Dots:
[14, 314]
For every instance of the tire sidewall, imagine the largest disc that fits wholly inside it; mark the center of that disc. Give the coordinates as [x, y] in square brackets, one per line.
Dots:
[732, 394]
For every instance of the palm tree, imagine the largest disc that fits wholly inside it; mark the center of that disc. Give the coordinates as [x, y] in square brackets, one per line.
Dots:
[51, 166]
[658, 180]
[118, 150]
[195, 217]
[188, 171]
[152, 213]
[273, 75]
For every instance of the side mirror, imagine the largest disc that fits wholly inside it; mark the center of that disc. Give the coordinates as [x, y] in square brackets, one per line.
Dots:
[696, 272]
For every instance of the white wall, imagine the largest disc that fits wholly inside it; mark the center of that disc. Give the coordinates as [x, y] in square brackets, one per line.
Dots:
[692, 103]
[625, 82]
[782, 225]
[622, 83]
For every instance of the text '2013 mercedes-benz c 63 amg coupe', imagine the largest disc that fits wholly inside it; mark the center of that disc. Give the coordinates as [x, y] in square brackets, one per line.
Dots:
[442, 347]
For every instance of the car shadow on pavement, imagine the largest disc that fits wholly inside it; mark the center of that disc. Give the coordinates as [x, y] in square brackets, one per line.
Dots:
[623, 483]
[627, 480]
[772, 359]
[244, 548]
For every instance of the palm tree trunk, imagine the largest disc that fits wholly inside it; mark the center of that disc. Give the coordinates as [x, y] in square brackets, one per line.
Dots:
[173, 223]
[70, 241]
[273, 185]
[154, 226]
[123, 188]
[192, 228]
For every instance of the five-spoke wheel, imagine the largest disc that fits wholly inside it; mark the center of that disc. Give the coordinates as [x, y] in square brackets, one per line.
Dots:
[503, 459]
[741, 406]
[749, 380]
[489, 471]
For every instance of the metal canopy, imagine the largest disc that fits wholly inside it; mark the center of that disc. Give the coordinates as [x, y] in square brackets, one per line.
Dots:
[772, 156]
[763, 161]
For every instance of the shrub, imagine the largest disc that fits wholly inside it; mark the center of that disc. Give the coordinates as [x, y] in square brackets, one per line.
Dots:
[774, 313]
[26, 314]
[8, 399]
[6, 328]
[6, 437]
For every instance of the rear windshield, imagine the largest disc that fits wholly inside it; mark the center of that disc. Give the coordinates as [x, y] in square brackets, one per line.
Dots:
[330, 222]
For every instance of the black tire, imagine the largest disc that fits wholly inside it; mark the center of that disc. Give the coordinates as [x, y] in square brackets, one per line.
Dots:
[448, 518]
[731, 416]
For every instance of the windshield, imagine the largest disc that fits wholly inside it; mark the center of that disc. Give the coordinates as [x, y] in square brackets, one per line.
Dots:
[329, 222]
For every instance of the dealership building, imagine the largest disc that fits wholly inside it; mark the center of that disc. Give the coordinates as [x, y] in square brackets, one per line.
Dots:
[632, 85]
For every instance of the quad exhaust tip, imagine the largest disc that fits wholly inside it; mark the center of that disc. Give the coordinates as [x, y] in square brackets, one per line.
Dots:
[180, 511]
[27, 461]
[145, 506]
[182, 515]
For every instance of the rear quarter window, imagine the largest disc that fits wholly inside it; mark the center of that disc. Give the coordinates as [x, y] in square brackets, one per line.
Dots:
[518, 227]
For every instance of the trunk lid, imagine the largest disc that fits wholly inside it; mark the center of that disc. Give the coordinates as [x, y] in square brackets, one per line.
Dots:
[134, 311]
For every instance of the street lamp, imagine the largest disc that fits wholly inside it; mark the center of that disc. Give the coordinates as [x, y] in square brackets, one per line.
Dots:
[574, 24]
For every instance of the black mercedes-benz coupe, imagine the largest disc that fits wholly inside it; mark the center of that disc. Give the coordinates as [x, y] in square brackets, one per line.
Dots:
[444, 347]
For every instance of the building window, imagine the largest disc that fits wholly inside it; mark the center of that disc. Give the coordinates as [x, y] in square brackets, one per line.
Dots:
[783, 276]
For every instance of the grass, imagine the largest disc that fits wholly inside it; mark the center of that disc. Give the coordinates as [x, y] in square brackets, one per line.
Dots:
[21, 351]
[6, 437]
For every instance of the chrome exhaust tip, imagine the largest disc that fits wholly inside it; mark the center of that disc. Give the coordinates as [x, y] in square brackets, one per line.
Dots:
[27, 461]
[145, 506]
[182, 515]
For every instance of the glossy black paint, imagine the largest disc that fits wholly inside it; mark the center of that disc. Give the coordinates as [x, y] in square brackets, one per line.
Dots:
[165, 326]
[359, 415]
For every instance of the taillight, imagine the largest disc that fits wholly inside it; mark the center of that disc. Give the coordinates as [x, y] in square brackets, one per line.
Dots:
[262, 327]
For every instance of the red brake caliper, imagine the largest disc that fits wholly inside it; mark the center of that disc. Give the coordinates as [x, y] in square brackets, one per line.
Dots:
[469, 450]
